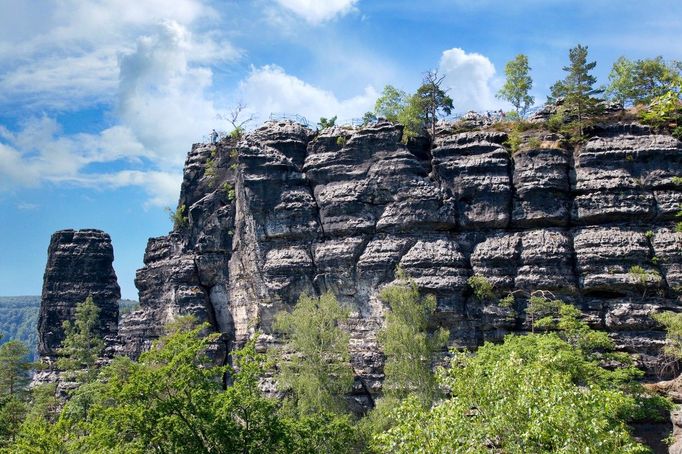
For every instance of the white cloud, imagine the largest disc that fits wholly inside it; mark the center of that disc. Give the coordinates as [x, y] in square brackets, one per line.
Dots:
[40, 153]
[318, 11]
[163, 188]
[471, 80]
[163, 93]
[162, 87]
[270, 89]
[69, 60]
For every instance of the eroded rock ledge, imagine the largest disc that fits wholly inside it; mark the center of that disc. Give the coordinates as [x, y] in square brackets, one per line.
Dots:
[286, 211]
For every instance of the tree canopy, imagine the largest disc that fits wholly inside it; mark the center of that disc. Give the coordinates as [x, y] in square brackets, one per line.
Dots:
[518, 84]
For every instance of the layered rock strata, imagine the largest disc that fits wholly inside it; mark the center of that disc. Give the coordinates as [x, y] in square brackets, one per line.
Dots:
[79, 264]
[287, 211]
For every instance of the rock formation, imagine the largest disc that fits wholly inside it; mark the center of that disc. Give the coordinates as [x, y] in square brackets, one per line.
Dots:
[286, 211]
[79, 263]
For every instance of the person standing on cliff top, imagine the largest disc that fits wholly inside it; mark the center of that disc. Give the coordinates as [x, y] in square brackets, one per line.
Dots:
[214, 137]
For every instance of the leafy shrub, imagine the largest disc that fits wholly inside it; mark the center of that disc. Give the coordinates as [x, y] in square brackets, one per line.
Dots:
[482, 288]
[229, 191]
[178, 217]
[555, 122]
[531, 394]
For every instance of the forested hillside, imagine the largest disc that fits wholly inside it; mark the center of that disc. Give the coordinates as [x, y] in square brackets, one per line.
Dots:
[19, 319]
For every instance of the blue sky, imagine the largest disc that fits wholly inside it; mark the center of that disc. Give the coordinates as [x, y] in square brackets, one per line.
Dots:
[101, 100]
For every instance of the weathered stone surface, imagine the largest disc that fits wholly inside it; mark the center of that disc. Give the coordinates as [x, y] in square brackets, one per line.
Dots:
[341, 209]
[475, 168]
[621, 176]
[79, 264]
[542, 189]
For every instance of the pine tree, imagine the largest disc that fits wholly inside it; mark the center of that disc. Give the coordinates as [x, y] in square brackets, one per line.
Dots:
[432, 99]
[518, 84]
[82, 345]
[14, 380]
[577, 89]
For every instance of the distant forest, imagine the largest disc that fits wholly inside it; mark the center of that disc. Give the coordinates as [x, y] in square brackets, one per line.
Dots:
[19, 319]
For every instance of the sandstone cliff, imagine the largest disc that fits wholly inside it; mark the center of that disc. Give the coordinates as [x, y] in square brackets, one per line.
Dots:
[286, 211]
[79, 264]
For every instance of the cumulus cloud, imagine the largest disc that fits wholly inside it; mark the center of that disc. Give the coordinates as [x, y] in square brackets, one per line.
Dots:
[317, 11]
[40, 153]
[470, 77]
[164, 94]
[270, 89]
[163, 106]
[69, 58]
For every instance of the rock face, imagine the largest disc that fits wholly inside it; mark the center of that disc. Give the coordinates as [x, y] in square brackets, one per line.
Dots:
[286, 211]
[79, 263]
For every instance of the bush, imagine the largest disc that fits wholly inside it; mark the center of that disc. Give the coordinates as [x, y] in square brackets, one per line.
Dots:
[482, 288]
[178, 217]
[531, 394]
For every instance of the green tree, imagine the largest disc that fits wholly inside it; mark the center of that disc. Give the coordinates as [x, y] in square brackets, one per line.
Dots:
[641, 81]
[673, 332]
[409, 341]
[391, 103]
[14, 380]
[325, 123]
[577, 90]
[368, 118]
[15, 369]
[532, 394]
[82, 345]
[482, 288]
[316, 367]
[431, 100]
[518, 84]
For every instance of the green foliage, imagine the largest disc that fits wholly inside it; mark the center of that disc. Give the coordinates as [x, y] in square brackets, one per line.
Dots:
[553, 314]
[555, 122]
[391, 103]
[237, 133]
[673, 332]
[411, 117]
[408, 341]
[508, 301]
[531, 394]
[368, 118]
[127, 306]
[514, 139]
[399, 107]
[210, 169]
[178, 217]
[641, 81]
[649, 234]
[578, 92]
[325, 123]
[18, 321]
[417, 111]
[14, 380]
[664, 110]
[482, 287]
[82, 345]
[317, 372]
[15, 368]
[341, 141]
[518, 84]
[229, 191]
[643, 277]
[431, 100]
